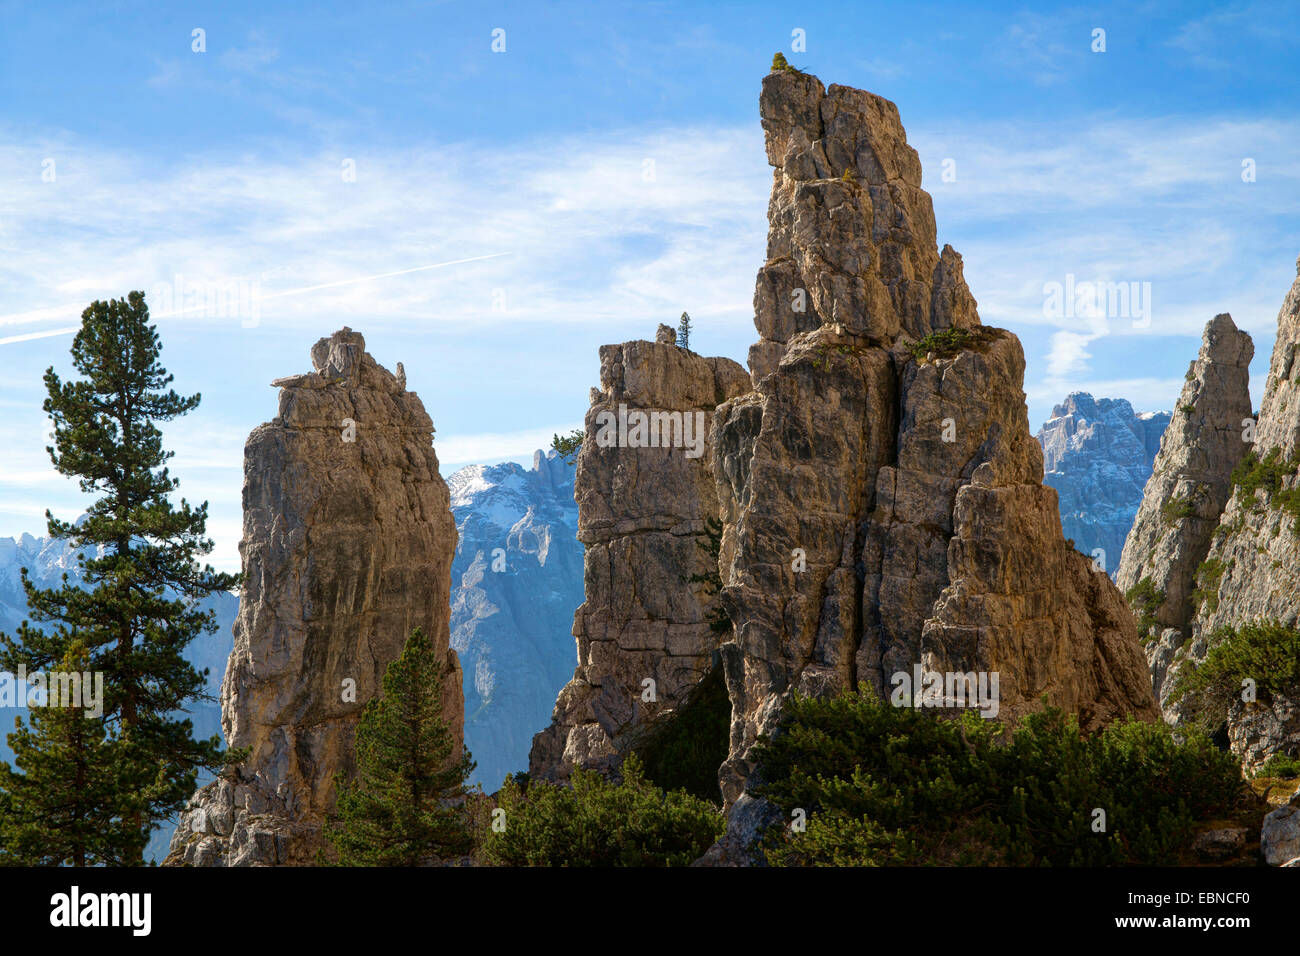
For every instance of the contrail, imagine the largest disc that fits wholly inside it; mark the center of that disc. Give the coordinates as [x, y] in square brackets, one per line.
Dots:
[38, 335]
[27, 337]
[382, 275]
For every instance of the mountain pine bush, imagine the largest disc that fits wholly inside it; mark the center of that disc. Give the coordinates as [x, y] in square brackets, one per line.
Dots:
[881, 785]
[595, 822]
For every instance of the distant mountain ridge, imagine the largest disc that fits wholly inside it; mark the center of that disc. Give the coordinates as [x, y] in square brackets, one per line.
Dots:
[512, 626]
[1098, 455]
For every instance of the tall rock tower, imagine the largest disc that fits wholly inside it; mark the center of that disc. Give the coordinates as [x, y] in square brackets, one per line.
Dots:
[1217, 543]
[347, 547]
[643, 513]
[882, 492]
[1189, 485]
[878, 493]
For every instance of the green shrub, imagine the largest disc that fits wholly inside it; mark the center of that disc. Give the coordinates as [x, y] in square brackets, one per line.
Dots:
[779, 63]
[684, 749]
[711, 544]
[1175, 509]
[1208, 574]
[946, 341]
[1281, 766]
[1145, 600]
[1265, 651]
[568, 445]
[598, 823]
[1268, 474]
[882, 785]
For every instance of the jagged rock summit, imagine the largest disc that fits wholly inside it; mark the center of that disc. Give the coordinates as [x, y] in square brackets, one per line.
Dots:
[1098, 454]
[878, 493]
[1232, 554]
[1188, 488]
[347, 547]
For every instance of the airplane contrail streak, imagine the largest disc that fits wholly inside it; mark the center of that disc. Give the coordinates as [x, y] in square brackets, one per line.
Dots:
[29, 336]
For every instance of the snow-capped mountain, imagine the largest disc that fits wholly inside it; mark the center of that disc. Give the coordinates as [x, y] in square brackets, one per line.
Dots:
[1098, 455]
[516, 581]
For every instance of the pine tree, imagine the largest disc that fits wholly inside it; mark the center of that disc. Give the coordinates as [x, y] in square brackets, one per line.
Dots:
[405, 806]
[684, 331]
[568, 445]
[138, 609]
[65, 807]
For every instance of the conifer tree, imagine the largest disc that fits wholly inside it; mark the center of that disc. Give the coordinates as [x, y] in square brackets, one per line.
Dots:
[684, 331]
[405, 806]
[66, 805]
[137, 609]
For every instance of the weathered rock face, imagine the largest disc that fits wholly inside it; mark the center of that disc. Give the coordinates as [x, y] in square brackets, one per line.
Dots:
[347, 547]
[1189, 485]
[1253, 560]
[851, 234]
[1280, 837]
[1235, 563]
[1098, 455]
[1190, 480]
[642, 517]
[1256, 543]
[880, 494]
[883, 511]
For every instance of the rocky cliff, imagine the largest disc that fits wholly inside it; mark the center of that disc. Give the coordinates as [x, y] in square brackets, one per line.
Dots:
[1253, 560]
[883, 494]
[347, 546]
[645, 492]
[516, 579]
[1189, 485]
[1098, 454]
[1256, 541]
[879, 492]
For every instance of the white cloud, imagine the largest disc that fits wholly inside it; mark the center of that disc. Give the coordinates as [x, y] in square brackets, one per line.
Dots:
[595, 249]
[588, 235]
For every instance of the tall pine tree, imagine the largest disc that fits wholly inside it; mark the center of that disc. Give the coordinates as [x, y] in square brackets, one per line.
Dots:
[66, 806]
[405, 806]
[684, 330]
[137, 609]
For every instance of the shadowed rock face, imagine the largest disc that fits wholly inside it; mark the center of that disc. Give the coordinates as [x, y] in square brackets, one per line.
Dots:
[347, 547]
[879, 510]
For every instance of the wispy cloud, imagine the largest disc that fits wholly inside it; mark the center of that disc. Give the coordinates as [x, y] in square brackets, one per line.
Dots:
[1035, 44]
[1212, 41]
[588, 225]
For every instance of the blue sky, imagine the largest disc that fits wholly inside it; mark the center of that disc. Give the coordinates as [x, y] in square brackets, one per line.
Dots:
[128, 160]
